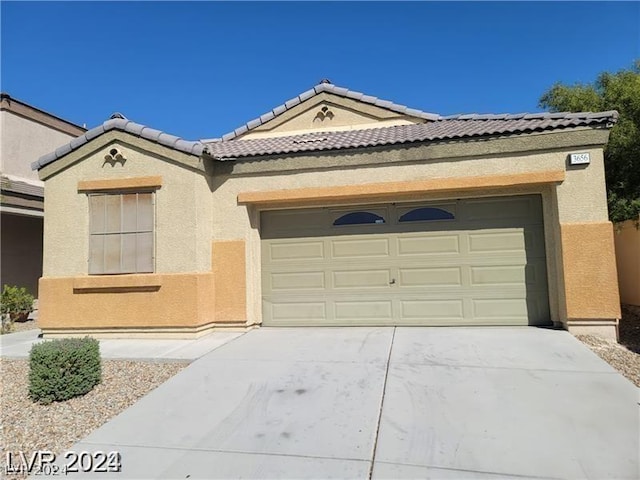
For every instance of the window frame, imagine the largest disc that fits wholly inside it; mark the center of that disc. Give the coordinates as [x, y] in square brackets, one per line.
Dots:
[355, 224]
[446, 217]
[122, 232]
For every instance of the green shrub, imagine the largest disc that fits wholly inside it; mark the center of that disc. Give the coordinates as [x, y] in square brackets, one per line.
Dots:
[15, 303]
[63, 369]
[15, 300]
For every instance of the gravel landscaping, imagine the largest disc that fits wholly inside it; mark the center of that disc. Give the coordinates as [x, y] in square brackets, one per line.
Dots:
[623, 356]
[26, 426]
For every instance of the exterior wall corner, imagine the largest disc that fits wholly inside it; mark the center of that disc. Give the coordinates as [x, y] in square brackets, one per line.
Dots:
[590, 277]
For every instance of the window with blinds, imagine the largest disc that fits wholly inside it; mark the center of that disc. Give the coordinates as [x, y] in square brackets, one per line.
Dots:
[121, 233]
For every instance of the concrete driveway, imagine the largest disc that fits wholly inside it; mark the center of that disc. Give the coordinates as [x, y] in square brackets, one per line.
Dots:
[384, 403]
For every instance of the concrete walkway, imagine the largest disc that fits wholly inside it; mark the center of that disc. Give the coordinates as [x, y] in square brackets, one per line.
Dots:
[18, 345]
[384, 403]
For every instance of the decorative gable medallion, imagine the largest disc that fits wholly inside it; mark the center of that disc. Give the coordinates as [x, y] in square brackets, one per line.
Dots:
[324, 116]
[114, 157]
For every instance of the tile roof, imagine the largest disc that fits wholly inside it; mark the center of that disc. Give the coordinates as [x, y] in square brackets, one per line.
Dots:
[326, 86]
[14, 185]
[438, 128]
[118, 122]
[445, 128]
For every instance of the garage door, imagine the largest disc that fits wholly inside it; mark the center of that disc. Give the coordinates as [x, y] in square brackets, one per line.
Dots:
[459, 262]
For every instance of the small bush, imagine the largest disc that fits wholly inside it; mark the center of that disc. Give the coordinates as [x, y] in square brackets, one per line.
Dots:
[63, 369]
[15, 302]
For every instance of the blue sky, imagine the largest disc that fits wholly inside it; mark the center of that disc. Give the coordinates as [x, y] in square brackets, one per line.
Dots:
[201, 69]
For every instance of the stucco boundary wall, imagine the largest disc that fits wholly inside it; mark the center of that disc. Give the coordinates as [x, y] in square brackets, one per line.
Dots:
[590, 278]
[627, 242]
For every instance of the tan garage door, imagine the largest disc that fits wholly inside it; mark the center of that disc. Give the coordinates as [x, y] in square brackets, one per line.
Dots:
[459, 262]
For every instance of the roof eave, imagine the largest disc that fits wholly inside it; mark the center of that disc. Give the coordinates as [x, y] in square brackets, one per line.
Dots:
[607, 120]
[127, 126]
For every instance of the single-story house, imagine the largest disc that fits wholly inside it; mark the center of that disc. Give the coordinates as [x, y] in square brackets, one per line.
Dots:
[335, 208]
[26, 133]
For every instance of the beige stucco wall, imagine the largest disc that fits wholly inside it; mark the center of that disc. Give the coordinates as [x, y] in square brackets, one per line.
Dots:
[23, 141]
[564, 202]
[627, 241]
[582, 197]
[183, 211]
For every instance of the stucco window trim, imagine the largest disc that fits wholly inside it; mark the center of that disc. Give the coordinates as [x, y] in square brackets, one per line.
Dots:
[118, 283]
[120, 184]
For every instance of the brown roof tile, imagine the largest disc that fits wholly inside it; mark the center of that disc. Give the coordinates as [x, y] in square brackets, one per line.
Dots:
[460, 126]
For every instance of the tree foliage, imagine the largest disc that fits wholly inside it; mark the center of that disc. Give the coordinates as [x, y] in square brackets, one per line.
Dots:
[611, 91]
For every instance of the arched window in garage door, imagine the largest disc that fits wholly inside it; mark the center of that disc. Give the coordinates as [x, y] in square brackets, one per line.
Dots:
[359, 218]
[425, 214]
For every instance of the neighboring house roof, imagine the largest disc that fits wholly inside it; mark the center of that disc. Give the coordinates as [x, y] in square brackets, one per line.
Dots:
[7, 102]
[21, 194]
[453, 127]
[326, 86]
[123, 125]
[10, 183]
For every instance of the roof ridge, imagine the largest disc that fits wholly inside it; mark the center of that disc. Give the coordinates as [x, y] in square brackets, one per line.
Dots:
[530, 116]
[128, 126]
[456, 127]
[316, 90]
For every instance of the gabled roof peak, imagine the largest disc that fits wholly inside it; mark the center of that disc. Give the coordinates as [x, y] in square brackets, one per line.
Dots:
[325, 85]
[123, 125]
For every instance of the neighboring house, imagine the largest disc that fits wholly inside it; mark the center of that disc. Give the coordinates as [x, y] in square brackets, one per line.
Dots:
[335, 208]
[26, 133]
[627, 241]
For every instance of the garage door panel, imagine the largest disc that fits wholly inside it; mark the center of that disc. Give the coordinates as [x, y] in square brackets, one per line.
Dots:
[364, 310]
[301, 250]
[430, 277]
[297, 311]
[515, 209]
[432, 310]
[428, 245]
[366, 278]
[487, 308]
[485, 267]
[360, 248]
[291, 223]
[296, 281]
[496, 242]
[498, 275]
